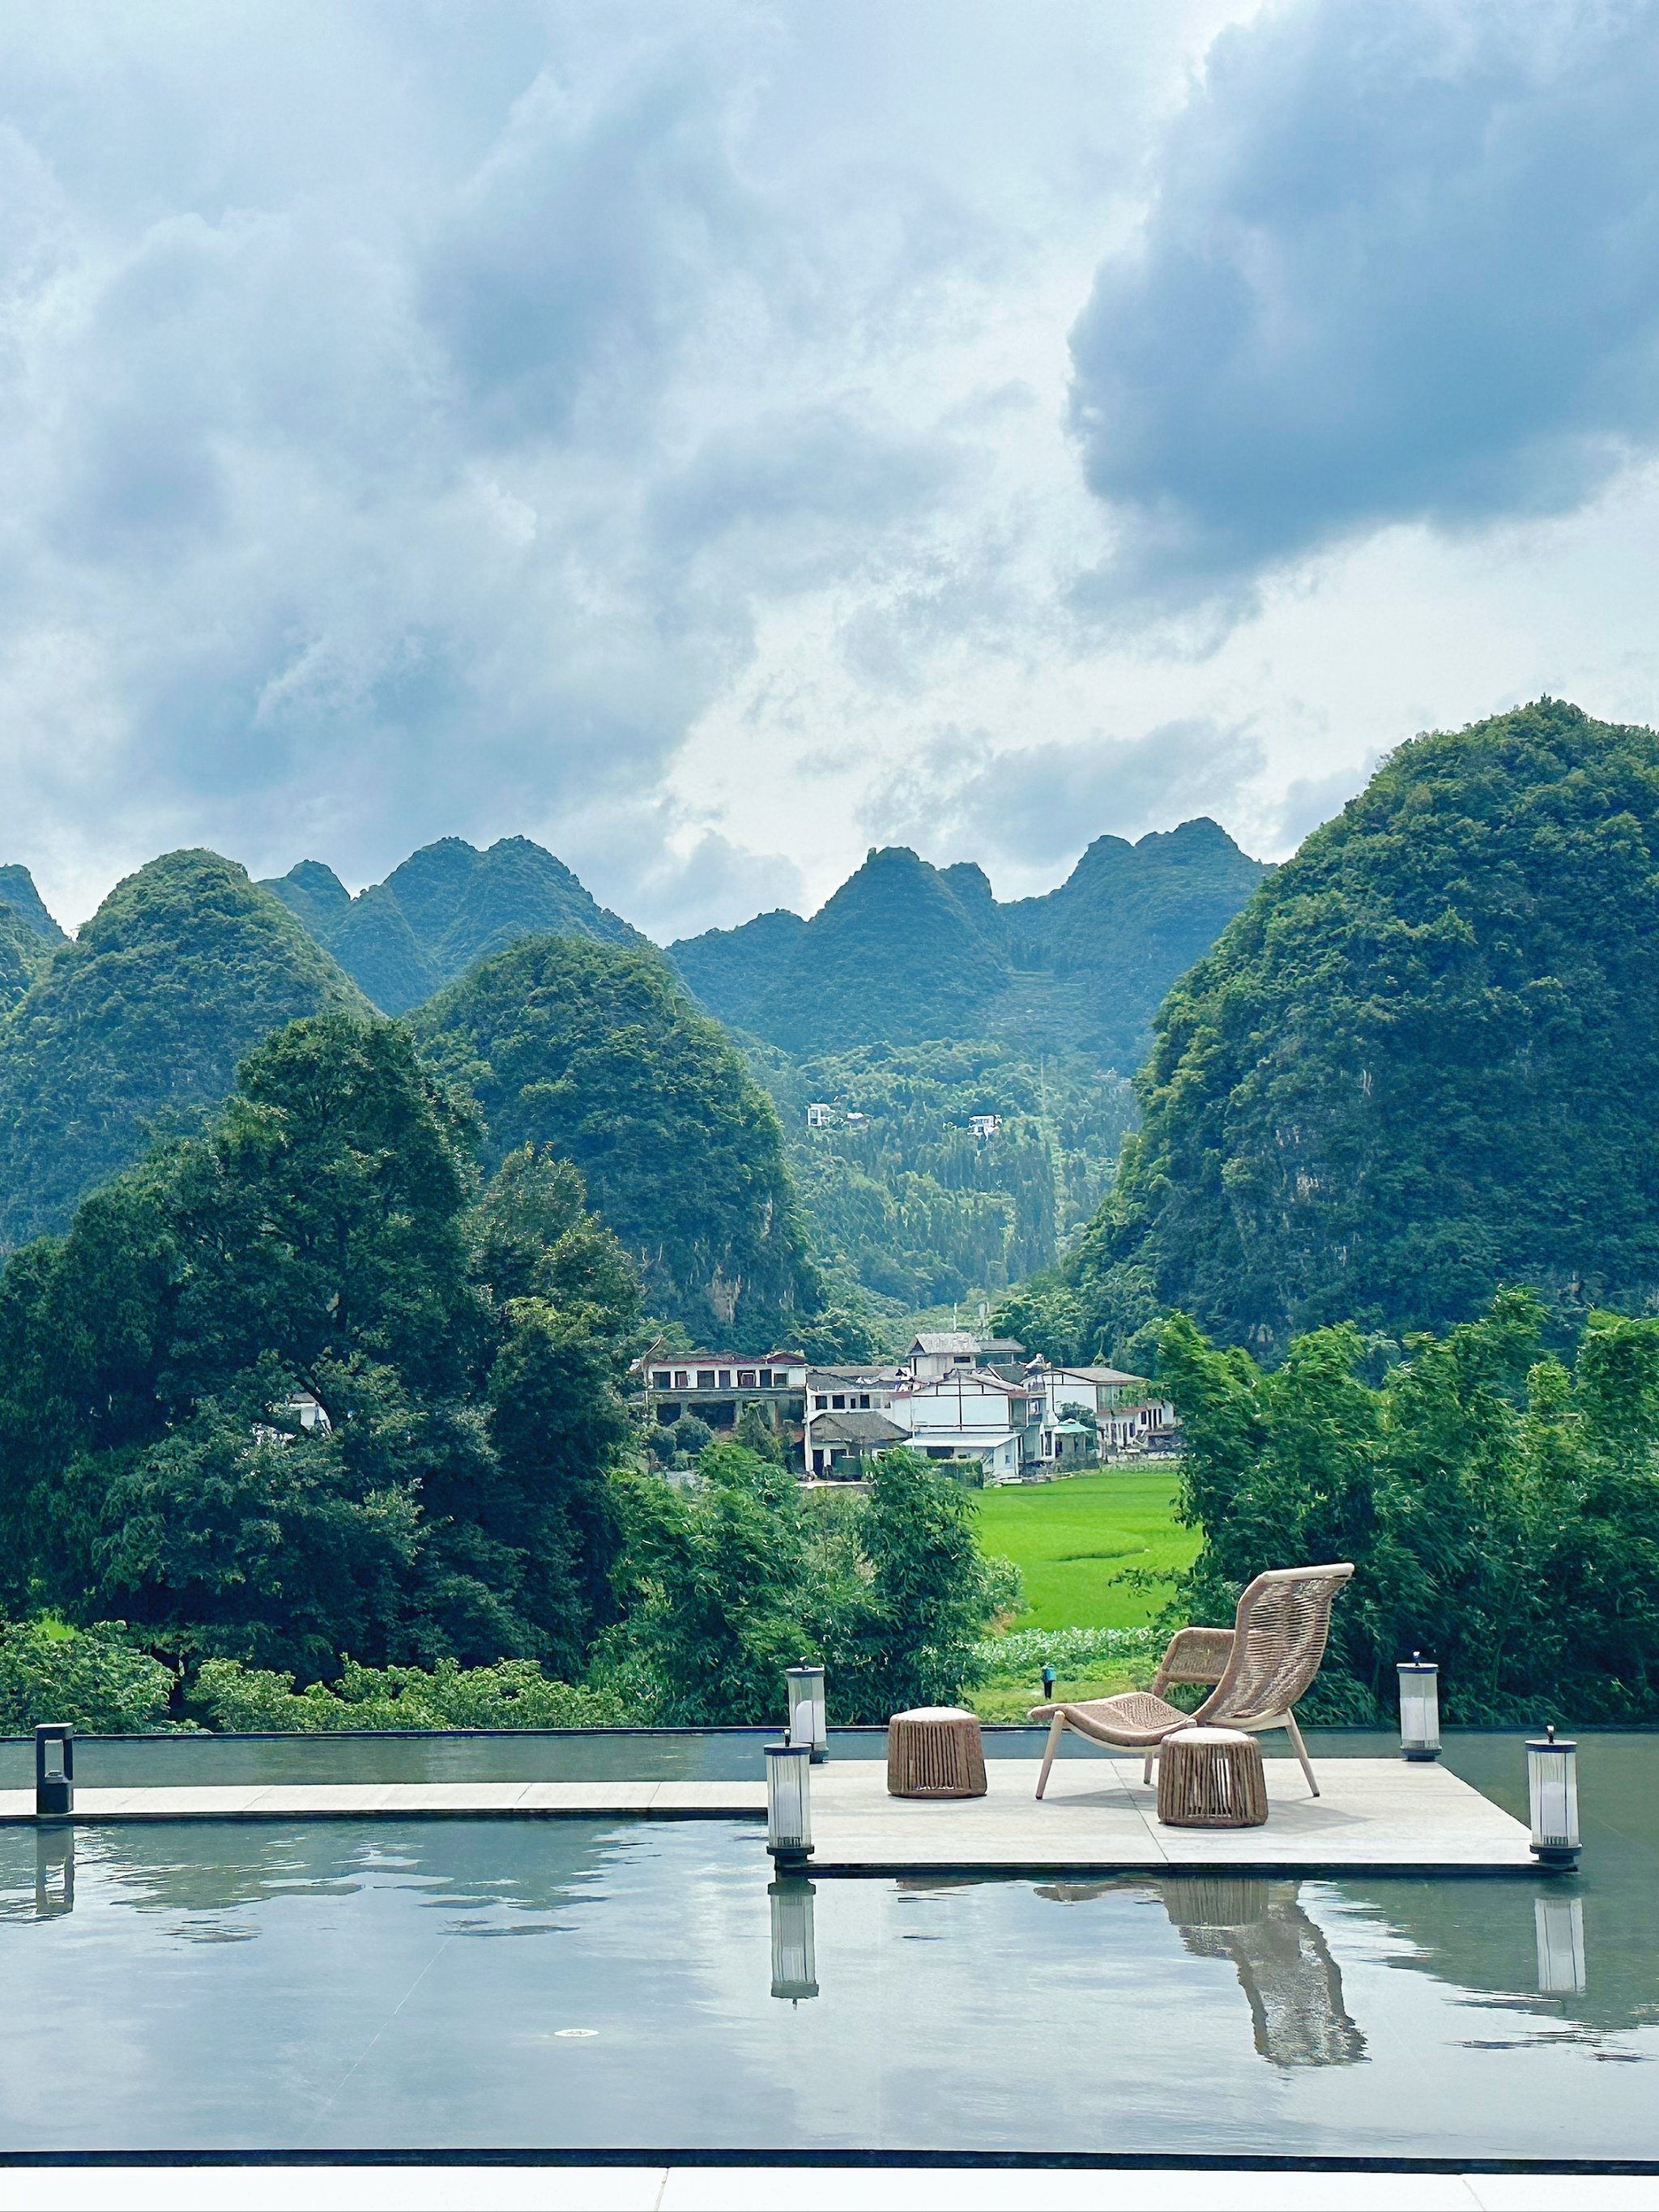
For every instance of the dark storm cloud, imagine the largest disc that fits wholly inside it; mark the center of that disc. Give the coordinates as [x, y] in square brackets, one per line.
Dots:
[1402, 262]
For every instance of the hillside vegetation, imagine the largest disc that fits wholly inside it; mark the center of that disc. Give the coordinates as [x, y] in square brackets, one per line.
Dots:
[906, 952]
[1421, 1063]
[138, 1025]
[442, 911]
[594, 1050]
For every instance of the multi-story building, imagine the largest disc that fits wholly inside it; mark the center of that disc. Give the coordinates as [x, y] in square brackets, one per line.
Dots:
[715, 1386]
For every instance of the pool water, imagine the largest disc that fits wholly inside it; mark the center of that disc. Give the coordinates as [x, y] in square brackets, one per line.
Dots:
[579, 1985]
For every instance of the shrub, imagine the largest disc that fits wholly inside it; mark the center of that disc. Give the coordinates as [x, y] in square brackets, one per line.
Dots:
[513, 1694]
[91, 1677]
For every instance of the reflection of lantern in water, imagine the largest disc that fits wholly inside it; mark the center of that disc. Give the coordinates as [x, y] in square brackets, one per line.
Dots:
[54, 1871]
[807, 1724]
[1420, 1708]
[54, 1771]
[1553, 1792]
[788, 1803]
[1293, 1984]
[794, 1963]
[1560, 1927]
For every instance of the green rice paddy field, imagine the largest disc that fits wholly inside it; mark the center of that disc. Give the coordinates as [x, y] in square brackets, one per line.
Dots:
[1072, 1537]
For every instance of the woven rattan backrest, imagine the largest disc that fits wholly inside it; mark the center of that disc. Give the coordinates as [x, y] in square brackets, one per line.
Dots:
[1278, 1640]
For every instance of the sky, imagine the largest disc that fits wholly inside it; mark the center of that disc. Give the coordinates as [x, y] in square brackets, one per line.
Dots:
[715, 439]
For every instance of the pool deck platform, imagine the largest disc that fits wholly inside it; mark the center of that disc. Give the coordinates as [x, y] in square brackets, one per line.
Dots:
[1098, 1817]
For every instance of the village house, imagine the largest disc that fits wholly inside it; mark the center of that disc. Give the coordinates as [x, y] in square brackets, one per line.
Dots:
[845, 1418]
[716, 1385]
[971, 1413]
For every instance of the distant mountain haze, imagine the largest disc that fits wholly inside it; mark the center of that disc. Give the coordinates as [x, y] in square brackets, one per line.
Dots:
[445, 909]
[136, 1025]
[906, 952]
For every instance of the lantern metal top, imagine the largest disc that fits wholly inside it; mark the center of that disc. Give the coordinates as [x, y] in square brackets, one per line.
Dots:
[1417, 1664]
[1550, 1741]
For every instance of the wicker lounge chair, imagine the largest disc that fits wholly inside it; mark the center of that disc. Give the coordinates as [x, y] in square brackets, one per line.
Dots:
[1260, 1667]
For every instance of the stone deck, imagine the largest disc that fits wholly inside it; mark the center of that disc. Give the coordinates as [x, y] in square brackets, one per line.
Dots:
[1098, 1817]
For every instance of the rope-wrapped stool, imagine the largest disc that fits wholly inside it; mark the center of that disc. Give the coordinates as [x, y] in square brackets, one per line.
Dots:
[935, 1752]
[1211, 1778]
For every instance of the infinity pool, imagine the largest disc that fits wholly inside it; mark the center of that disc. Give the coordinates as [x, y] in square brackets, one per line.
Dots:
[571, 1984]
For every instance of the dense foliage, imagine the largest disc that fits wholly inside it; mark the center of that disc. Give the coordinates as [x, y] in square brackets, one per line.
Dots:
[324, 1235]
[19, 896]
[514, 1694]
[1422, 1062]
[729, 1582]
[1502, 1511]
[595, 1050]
[905, 952]
[907, 1202]
[441, 911]
[138, 1024]
[94, 1678]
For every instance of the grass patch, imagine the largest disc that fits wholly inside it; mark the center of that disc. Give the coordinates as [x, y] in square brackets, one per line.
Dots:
[1071, 1537]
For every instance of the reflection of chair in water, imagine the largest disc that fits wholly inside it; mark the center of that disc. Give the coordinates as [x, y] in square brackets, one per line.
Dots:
[1293, 1984]
[54, 1871]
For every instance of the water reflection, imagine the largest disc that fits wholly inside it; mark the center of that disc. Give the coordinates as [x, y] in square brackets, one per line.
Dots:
[1284, 1968]
[1293, 1986]
[1559, 1924]
[54, 1871]
[794, 1955]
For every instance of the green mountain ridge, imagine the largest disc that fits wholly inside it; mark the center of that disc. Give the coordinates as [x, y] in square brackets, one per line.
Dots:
[1421, 1063]
[440, 912]
[18, 893]
[904, 952]
[595, 1050]
[138, 1025]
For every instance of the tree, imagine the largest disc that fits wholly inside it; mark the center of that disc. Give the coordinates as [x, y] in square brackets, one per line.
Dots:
[930, 1594]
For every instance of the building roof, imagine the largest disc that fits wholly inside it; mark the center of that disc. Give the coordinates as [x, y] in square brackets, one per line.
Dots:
[1000, 1346]
[1039, 1369]
[968, 1383]
[840, 1376]
[657, 1358]
[866, 1432]
[949, 1340]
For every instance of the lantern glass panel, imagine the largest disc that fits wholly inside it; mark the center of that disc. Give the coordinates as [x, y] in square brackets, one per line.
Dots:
[806, 1708]
[1419, 1706]
[788, 1805]
[1552, 1789]
[1560, 1927]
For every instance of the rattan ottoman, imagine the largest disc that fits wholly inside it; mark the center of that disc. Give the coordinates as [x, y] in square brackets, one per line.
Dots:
[935, 1752]
[1211, 1778]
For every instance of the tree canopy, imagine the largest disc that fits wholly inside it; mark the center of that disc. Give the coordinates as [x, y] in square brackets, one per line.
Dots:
[323, 1244]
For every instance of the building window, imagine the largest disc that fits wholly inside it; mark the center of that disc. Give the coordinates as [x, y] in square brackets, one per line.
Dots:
[659, 1380]
[818, 1462]
[840, 1403]
[682, 1380]
[705, 1378]
[746, 1378]
[820, 1404]
[766, 1378]
[726, 1379]
[864, 1403]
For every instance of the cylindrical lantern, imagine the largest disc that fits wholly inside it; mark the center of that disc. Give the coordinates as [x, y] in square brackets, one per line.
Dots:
[54, 1771]
[1420, 1708]
[1561, 1924]
[807, 1724]
[789, 1803]
[795, 1965]
[1552, 1793]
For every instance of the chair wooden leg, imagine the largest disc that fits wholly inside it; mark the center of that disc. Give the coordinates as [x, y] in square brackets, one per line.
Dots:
[1301, 1750]
[1146, 1770]
[1057, 1729]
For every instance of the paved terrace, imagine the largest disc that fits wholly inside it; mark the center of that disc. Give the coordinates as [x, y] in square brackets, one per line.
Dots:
[1098, 1818]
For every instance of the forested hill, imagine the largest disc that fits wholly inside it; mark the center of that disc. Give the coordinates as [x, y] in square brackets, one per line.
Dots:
[1423, 1062]
[906, 952]
[139, 1024]
[595, 1051]
[441, 911]
[19, 897]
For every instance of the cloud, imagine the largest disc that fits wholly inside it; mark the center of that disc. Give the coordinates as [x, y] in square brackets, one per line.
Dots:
[1399, 263]
[1043, 805]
